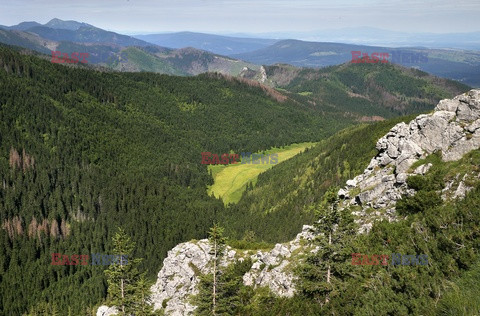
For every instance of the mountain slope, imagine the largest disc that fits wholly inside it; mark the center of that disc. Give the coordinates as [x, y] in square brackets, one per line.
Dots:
[26, 40]
[222, 45]
[275, 201]
[459, 65]
[439, 219]
[329, 163]
[360, 90]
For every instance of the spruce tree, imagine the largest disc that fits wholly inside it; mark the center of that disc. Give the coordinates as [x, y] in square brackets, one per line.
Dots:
[142, 299]
[217, 242]
[126, 288]
[207, 299]
[324, 272]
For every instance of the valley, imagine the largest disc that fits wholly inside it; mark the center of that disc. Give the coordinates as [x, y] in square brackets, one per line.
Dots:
[258, 173]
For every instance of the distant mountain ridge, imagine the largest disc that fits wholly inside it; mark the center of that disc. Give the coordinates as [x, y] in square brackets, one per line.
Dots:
[375, 36]
[23, 26]
[53, 23]
[244, 54]
[218, 44]
[66, 25]
[117, 51]
[459, 65]
[73, 31]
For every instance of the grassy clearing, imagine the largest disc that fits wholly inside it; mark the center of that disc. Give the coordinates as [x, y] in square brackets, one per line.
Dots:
[231, 180]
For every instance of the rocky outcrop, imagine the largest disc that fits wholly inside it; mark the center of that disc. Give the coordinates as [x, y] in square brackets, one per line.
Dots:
[452, 129]
[274, 268]
[178, 279]
[106, 311]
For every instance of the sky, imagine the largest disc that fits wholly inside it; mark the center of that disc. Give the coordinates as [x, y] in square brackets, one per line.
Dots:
[250, 16]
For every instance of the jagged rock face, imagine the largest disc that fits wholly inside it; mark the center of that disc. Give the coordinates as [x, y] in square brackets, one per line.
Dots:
[453, 128]
[274, 268]
[178, 279]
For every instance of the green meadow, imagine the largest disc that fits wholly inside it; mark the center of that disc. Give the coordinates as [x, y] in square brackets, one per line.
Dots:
[231, 180]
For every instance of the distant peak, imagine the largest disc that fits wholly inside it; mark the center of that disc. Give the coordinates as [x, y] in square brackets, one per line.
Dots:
[71, 25]
[55, 20]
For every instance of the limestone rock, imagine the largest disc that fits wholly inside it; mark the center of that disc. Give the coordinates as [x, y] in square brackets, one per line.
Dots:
[351, 183]
[453, 129]
[106, 311]
[423, 169]
[401, 178]
[179, 277]
[462, 189]
[342, 193]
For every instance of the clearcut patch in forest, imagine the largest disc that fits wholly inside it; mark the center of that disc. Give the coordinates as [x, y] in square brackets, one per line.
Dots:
[231, 180]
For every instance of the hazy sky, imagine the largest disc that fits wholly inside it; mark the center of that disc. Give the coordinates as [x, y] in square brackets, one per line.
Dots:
[250, 16]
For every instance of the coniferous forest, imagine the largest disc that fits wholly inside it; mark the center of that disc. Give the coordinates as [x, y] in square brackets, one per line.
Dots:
[86, 151]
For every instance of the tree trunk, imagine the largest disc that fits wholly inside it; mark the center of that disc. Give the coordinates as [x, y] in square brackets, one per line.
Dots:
[214, 276]
[328, 271]
[123, 296]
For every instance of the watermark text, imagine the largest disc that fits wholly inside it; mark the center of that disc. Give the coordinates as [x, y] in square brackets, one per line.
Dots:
[60, 58]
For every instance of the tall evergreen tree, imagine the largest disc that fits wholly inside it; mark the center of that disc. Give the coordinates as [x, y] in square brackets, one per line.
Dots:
[231, 294]
[217, 240]
[123, 276]
[322, 275]
[142, 296]
[209, 284]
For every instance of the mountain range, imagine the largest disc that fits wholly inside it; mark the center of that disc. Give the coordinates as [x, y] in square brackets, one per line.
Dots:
[194, 53]
[375, 36]
[463, 66]
[217, 44]
[116, 51]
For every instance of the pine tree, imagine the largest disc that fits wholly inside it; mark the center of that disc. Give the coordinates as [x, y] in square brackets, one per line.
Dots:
[323, 274]
[142, 296]
[203, 299]
[207, 299]
[122, 277]
[231, 294]
[218, 246]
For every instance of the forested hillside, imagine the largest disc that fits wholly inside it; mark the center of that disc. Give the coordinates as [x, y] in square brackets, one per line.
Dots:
[274, 201]
[83, 152]
[364, 91]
